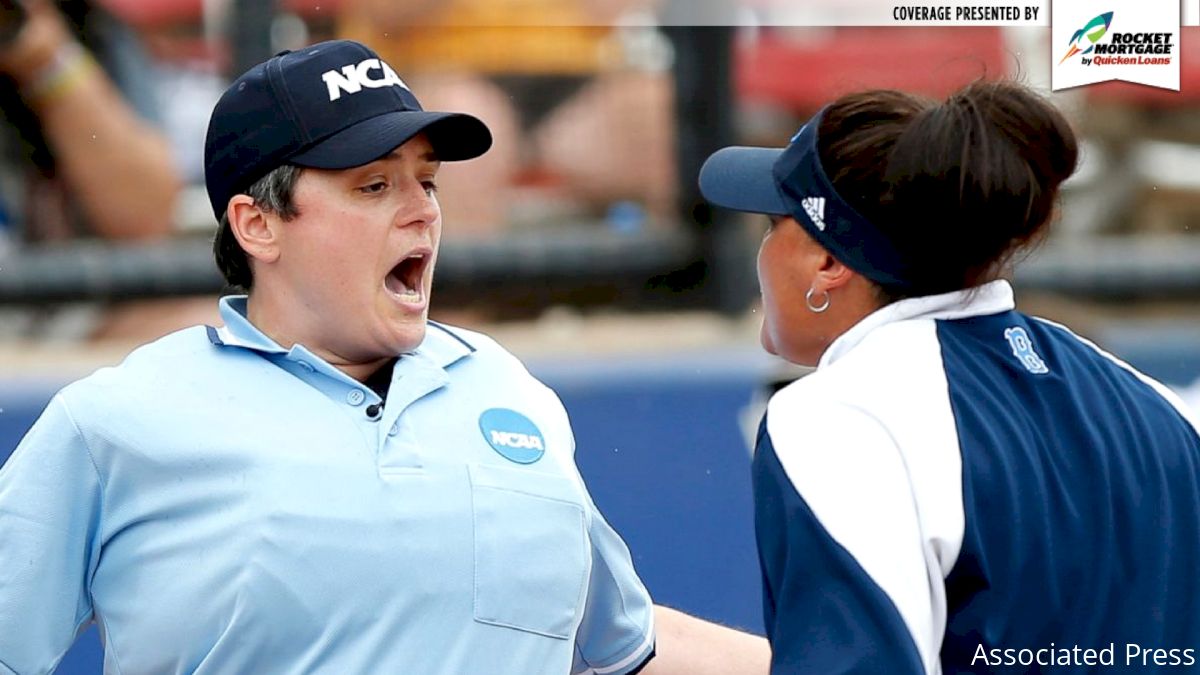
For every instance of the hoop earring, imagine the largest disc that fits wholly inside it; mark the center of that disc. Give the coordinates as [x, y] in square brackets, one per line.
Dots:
[816, 309]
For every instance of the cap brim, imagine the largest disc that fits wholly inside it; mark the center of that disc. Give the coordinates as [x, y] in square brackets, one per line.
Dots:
[454, 136]
[742, 179]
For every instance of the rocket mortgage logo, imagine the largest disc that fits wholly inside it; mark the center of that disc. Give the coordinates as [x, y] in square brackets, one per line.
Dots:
[1084, 40]
[1135, 46]
[1153, 49]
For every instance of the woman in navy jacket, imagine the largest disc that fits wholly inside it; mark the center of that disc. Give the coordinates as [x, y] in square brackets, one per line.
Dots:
[957, 487]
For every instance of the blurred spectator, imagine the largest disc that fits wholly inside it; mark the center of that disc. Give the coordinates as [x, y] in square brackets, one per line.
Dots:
[579, 120]
[78, 154]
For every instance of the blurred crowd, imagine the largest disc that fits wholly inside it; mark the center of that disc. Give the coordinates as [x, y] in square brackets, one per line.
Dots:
[106, 103]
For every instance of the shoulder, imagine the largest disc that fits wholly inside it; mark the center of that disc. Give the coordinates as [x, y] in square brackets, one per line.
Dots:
[442, 334]
[149, 370]
[1065, 335]
[446, 342]
[481, 356]
[496, 376]
[883, 407]
[870, 443]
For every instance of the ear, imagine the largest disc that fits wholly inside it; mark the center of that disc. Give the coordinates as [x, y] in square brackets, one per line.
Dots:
[256, 231]
[832, 274]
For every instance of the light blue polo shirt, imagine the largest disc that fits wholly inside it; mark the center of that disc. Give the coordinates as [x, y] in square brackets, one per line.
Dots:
[219, 504]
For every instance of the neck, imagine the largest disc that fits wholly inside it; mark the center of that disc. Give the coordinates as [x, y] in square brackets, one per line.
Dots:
[269, 318]
[851, 304]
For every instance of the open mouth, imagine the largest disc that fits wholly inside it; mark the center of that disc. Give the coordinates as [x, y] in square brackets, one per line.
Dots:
[405, 280]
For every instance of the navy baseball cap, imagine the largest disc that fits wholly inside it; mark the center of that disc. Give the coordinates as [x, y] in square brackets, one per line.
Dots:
[792, 182]
[332, 105]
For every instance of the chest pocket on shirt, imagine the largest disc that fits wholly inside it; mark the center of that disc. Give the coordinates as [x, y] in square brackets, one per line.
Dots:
[531, 550]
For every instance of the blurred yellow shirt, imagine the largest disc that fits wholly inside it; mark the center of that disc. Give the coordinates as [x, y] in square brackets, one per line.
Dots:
[534, 37]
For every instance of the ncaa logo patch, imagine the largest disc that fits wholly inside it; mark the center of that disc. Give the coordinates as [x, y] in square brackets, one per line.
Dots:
[513, 435]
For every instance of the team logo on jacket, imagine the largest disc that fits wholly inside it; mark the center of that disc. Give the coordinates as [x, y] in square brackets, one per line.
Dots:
[513, 435]
[1022, 348]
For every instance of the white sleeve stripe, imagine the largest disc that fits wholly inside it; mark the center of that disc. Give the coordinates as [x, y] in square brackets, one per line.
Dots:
[888, 545]
[631, 658]
[851, 442]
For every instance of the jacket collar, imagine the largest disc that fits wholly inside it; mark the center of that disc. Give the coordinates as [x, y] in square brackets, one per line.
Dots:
[990, 298]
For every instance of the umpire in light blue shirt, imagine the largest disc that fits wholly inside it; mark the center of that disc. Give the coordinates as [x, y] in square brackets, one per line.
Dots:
[329, 482]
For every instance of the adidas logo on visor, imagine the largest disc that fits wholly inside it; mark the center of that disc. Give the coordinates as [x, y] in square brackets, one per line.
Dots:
[815, 208]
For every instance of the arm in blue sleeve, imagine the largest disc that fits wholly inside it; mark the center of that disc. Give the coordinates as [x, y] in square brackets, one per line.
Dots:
[50, 498]
[617, 633]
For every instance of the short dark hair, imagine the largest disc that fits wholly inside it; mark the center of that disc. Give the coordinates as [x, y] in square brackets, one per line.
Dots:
[273, 193]
[959, 186]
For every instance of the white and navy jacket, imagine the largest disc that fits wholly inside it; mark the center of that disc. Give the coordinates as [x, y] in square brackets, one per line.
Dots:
[958, 482]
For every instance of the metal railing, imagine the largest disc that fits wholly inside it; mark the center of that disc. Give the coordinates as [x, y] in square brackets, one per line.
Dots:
[1113, 267]
[81, 271]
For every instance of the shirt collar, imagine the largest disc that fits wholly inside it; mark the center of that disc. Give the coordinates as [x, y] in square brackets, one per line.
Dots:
[990, 298]
[238, 331]
[440, 346]
[444, 346]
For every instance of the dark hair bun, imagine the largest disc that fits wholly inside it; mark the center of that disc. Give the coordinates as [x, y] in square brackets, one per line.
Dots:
[958, 186]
